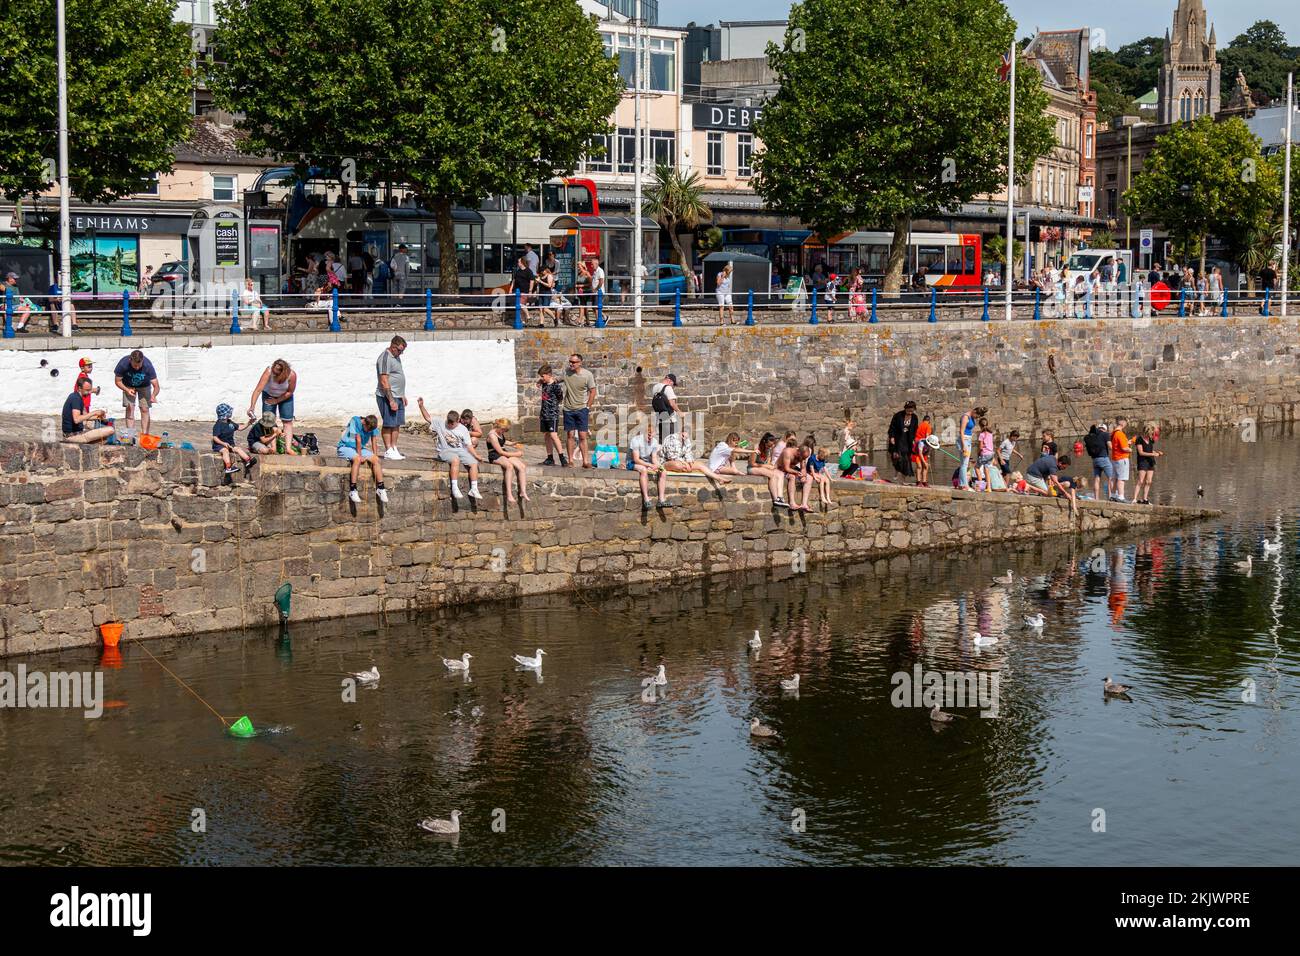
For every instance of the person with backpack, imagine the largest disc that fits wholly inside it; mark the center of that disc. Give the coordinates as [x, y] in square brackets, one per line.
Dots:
[663, 402]
[1097, 444]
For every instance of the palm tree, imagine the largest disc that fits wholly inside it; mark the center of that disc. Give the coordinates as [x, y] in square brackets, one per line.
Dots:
[1260, 249]
[676, 201]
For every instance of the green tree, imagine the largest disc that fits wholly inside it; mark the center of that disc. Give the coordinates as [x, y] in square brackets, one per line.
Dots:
[1205, 178]
[128, 95]
[459, 99]
[676, 201]
[889, 111]
[1263, 55]
[995, 250]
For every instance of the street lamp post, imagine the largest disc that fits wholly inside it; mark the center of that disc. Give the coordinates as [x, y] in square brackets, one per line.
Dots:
[1286, 191]
[636, 173]
[65, 240]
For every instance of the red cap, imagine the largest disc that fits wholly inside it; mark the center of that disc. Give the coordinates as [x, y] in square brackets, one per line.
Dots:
[85, 363]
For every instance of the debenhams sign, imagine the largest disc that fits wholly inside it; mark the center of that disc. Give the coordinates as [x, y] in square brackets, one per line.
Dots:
[721, 116]
[106, 222]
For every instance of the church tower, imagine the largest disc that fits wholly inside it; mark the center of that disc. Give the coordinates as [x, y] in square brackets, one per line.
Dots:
[1189, 78]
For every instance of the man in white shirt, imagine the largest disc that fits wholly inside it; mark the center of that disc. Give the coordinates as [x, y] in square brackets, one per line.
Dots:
[400, 266]
[663, 402]
[597, 278]
[643, 457]
[721, 459]
[531, 256]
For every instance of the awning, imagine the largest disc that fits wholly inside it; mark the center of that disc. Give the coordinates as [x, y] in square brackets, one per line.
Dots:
[588, 222]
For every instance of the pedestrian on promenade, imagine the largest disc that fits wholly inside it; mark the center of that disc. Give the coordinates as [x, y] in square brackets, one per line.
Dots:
[400, 268]
[1267, 282]
[663, 402]
[530, 257]
[1097, 444]
[276, 385]
[546, 293]
[549, 420]
[146, 281]
[357, 444]
[138, 381]
[77, 417]
[581, 293]
[857, 295]
[522, 283]
[597, 286]
[1215, 289]
[644, 457]
[509, 457]
[390, 395]
[579, 396]
[726, 307]
[453, 447]
[357, 272]
[902, 436]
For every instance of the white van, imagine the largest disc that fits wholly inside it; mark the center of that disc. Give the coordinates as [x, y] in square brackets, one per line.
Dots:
[1085, 260]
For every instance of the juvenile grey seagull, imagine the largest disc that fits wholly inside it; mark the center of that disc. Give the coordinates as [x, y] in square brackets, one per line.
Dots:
[534, 662]
[658, 680]
[1035, 621]
[1004, 578]
[1116, 689]
[759, 729]
[367, 677]
[457, 665]
[939, 717]
[442, 826]
[791, 684]
[755, 642]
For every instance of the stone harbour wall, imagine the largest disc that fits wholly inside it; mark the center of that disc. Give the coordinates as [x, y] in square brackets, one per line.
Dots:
[154, 539]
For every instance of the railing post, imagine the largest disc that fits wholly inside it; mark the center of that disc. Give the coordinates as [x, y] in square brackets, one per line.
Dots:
[1266, 293]
[677, 308]
[1223, 295]
[985, 316]
[1182, 301]
[874, 292]
[813, 319]
[334, 311]
[934, 303]
[9, 312]
[519, 315]
[1087, 301]
[428, 310]
[600, 308]
[126, 313]
[234, 311]
[1038, 304]
[749, 315]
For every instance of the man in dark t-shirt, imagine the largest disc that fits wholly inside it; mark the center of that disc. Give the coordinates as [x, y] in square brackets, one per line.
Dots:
[76, 418]
[522, 281]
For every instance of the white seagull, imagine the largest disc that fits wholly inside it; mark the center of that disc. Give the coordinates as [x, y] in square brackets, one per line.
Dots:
[533, 662]
[367, 677]
[1035, 621]
[442, 826]
[756, 642]
[939, 717]
[982, 640]
[457, 665]
[791, 684]
[658, 680]
[1274, 546]
[760, 729]
[1004, 578]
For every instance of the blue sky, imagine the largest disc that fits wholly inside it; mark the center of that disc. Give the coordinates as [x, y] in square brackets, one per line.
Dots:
[1123, 20]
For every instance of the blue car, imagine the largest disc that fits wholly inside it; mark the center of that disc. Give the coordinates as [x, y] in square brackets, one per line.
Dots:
[665, 280]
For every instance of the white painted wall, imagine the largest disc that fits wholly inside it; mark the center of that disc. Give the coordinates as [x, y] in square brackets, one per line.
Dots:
[336, 380]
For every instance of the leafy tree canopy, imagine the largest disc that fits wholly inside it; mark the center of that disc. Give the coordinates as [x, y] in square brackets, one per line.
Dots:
[128, 94]
[1264, 56]
[458, 98]
[888, 111]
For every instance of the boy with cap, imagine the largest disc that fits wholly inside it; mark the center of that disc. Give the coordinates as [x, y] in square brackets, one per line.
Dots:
[223, 440]
[84, 368]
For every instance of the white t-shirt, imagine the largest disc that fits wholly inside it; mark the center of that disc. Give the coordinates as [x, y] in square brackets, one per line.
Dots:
[724, 283]
[461, 432]
[721, 455]
[448, 439]
[532, 260]
[597, 279]
[1006, 449]
[646, 449]
[670, 394]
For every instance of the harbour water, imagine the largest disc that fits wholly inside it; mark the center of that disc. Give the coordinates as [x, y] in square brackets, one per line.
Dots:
[577, 766]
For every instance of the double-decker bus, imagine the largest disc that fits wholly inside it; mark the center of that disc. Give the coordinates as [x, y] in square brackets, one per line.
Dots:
[532, 214]
[949, 259]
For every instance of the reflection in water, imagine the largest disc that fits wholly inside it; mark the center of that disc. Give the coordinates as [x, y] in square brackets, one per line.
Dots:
[574, 763]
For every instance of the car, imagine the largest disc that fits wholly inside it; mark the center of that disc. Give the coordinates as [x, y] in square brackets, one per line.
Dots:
[664, 280]
[171, 278]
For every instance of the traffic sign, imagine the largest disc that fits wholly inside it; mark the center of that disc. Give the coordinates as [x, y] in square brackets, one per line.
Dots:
[1148, 239]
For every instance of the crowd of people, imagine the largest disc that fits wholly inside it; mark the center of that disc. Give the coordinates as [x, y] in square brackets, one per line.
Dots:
[794, 469]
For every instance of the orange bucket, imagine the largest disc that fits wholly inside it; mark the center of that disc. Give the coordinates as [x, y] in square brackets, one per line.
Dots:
[111, 633]
[149, 442]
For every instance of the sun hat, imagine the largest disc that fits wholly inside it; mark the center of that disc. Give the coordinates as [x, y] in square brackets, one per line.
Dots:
[224, 412]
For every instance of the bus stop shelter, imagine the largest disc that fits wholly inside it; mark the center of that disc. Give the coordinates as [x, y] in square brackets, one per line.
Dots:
[605, 238]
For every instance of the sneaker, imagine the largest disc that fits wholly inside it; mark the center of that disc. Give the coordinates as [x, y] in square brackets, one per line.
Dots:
[564, 462]
[474, 493]
[248, 465]
[232, 469]
[645, 504]
[354, 496]
[455, 492]
[780, 503]
[392, 454]
[382, 494]
[665, 503]
[549, 460]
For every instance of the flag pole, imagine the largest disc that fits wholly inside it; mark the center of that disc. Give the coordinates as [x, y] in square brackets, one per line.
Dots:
[1011, 182]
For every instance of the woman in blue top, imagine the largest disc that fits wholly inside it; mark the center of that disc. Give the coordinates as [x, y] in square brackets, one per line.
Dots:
[968, 422]
[357, 444]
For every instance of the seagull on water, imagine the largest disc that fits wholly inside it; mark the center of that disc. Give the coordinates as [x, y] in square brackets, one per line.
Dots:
[533, 662]
[658, 680]
[1004, 578]
[1244, 565]
[939, 717]
[457, 665]
[756, 642]
[1035, 621]
[1116, 690]
[442, 826]
[982, 640]
[1274, 546]
[759, 729]
[367, 677]
[791, 684]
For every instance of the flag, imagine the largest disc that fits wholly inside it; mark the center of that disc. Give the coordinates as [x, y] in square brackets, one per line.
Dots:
[1004, 70]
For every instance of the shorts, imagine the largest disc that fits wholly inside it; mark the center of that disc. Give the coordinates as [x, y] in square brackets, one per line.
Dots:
[1103, 468]
[1146, 464]
[548, 424]
[283, 409]
[577, 421]
[983, 461]
[724, 299]
[140, 397]
[1121, 469]
[346, 452]
[264, 449]
[457, 454]
[1035, 482]
[388, 417]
